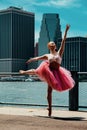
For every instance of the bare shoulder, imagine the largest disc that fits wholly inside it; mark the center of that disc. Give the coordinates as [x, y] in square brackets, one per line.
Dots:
[47, 55]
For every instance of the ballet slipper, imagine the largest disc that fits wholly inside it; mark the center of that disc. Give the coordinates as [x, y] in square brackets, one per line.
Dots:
[49, 112]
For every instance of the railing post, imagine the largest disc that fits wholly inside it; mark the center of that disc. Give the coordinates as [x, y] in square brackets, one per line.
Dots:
[73, 93]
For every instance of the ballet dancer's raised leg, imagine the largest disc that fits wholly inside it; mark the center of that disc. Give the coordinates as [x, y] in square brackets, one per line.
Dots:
[29, 72]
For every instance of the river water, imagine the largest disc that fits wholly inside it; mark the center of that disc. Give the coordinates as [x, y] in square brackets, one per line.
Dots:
[34, 93]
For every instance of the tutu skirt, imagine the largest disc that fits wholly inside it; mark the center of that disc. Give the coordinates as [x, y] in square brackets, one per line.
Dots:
[59, 79]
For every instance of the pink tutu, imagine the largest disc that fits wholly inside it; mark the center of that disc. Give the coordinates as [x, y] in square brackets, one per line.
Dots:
[59, 79]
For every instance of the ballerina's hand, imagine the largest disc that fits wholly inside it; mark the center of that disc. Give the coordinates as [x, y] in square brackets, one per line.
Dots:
[29, 61]
[67, 26]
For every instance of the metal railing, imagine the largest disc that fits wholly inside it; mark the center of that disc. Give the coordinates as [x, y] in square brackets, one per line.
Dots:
[74, 93]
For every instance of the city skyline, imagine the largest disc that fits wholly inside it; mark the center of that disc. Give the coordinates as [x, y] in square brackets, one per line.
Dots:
[73, 12]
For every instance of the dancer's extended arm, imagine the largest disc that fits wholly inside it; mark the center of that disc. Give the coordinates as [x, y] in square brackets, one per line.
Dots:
[62, 46]
[44, 57]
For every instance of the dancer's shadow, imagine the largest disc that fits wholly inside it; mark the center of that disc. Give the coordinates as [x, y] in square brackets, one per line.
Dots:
[65, 118]
[69, 118]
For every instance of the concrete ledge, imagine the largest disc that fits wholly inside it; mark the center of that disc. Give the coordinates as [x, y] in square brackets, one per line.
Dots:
[13, 118]
[43, 112]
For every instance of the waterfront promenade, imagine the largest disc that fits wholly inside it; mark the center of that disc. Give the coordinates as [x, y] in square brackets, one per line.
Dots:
[14, 118]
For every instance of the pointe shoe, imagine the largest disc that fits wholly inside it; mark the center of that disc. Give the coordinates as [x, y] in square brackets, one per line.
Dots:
[49, 112]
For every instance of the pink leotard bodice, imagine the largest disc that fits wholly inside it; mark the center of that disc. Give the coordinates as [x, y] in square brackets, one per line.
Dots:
[56, 58]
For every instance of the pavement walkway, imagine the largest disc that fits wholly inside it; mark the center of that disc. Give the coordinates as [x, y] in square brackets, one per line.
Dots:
[14, 118]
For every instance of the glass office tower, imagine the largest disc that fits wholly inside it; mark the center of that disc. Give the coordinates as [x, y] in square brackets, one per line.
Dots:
[75, 54]
[50, 31]
[16, 39]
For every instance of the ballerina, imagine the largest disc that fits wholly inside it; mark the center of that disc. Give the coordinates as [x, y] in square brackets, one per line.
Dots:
[51, 71]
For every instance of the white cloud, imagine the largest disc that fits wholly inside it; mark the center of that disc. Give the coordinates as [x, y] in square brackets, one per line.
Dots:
[58, 3]
[49, 3]
[64, 3]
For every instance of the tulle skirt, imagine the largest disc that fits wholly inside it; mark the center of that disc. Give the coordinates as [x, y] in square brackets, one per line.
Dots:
[59, 79]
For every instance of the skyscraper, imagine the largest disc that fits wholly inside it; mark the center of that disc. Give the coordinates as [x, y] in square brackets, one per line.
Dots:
[75, 54]
[50, 31]
[16, 38]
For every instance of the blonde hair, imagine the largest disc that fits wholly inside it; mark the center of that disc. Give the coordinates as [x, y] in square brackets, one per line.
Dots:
[50, 43]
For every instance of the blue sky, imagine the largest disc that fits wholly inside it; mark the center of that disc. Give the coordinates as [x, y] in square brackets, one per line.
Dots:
[73, 12]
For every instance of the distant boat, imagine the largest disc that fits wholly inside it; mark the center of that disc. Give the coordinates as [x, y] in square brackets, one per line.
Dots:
[33, 78]
[29, 79]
